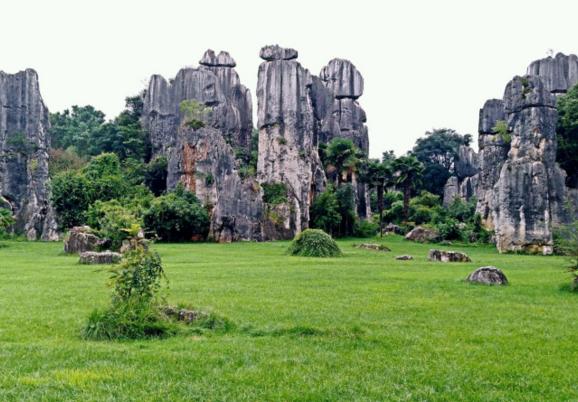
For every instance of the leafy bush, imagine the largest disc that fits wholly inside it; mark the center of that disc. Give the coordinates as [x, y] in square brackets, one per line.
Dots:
[134, 311]
[274, 193]
[177, 216]
[325, 212]
[110, 220]
[365, 228]
[6, 220]
[155, 176]
[194, 112]
[314, 243]
[566, 243]
[71, 197]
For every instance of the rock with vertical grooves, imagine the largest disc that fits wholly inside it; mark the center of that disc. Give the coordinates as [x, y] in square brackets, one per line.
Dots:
[558, 73]
[529, 195]
[203, 159]
[287, 143]
[488, 276]
[24, 145]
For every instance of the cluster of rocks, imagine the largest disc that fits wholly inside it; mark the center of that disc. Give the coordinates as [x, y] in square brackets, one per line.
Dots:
[297, 111]
[520, 189]
[447, 256]
[24, 145]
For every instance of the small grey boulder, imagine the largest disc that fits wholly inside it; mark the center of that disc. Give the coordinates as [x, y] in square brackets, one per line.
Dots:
[404, 257]
[448, 256]
[488, 276]
[422, 234]
[373, 246]
[104, 257]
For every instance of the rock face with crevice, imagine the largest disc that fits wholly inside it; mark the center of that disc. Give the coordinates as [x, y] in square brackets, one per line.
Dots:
[203, 158]
[24, 145]
[463, 184]
[528, 199]
[287, 139]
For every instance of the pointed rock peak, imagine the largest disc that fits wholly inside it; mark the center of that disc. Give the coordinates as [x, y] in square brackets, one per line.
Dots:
[276, 52]
[223, 59]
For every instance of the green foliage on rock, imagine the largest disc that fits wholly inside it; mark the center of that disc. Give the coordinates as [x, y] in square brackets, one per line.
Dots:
[110, 220]
[567, 130]
[194, 113]
[177, 216]
[274, 193]
[314, 243]
[6, 220]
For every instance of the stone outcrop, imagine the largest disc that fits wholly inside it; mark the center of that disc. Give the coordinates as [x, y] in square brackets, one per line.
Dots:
[530, 193]
[103, 257]
[373, 247]
[24, 145]
[488, 276]
[464, 183]
[448, 256]
[287, 142]
[80, 239]
[203, 158]
[493, 151]
[422, 234]
[338, 114]
[558, 73]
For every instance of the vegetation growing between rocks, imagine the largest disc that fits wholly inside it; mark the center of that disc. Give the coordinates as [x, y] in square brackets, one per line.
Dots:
[274, 193]
[567, 131]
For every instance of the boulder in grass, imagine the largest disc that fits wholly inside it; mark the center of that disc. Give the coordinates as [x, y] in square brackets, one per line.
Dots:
[448, 256]
[373, 246]
[488, 276]
[391, 228]
[103, 257]
[422, 234]
[404, 257]
[80, 239]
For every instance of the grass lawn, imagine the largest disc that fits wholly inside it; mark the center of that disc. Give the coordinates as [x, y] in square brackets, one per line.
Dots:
[360, 327]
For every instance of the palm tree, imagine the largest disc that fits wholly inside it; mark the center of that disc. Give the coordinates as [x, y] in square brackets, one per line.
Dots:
[378, 175]
[342, 157]
[407, 173]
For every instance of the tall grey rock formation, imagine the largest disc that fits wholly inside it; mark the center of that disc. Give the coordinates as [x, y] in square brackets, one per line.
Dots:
[287, 139]
[529, 195]
[24, 146]
[203, 159]
[335, 95]
[464, 183]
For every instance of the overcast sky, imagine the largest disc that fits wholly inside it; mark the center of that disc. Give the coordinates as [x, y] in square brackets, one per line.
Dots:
[426, 64]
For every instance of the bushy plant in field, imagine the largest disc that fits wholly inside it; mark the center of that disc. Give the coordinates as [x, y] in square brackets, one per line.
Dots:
[314, 243]
[6, 220]
[365, 228]
[135, 310]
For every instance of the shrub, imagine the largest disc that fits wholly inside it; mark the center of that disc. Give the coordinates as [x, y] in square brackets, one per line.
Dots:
[6, 220]
[111, 219]
[365, 228]
[194, 112]
[134, 311]
[71, 198]
[566, 243]
[314, 243]
[177, 216]
[325, 212]
[274, 193]
[155, 175]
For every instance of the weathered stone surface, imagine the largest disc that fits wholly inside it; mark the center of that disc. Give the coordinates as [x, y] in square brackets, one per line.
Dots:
[558, 73]
[205, 164]
[492, 112]
[448, 256]
[422, 234]
[338, 115]
[276, 52]
[373, 246]
[466, 164]
[80, 239]
[488, 276]
[24, 144]
[287, 143]
[392, 228]
[204, 159]
[343, 79]
[103, 257]
[404, 257]
[214, 84]
[530, 192]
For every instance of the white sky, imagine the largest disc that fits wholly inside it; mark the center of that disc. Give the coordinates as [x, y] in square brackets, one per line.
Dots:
[426, 64]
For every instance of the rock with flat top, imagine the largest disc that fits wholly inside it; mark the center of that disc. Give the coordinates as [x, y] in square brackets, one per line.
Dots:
[103, 257]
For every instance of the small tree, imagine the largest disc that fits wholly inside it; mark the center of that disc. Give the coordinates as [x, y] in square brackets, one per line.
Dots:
[194, 112]
[378, 175]
[325, 212]
[567, 244]
[407, 173]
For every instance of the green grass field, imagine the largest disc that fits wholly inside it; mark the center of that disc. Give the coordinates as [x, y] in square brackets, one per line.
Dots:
[360, 327]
